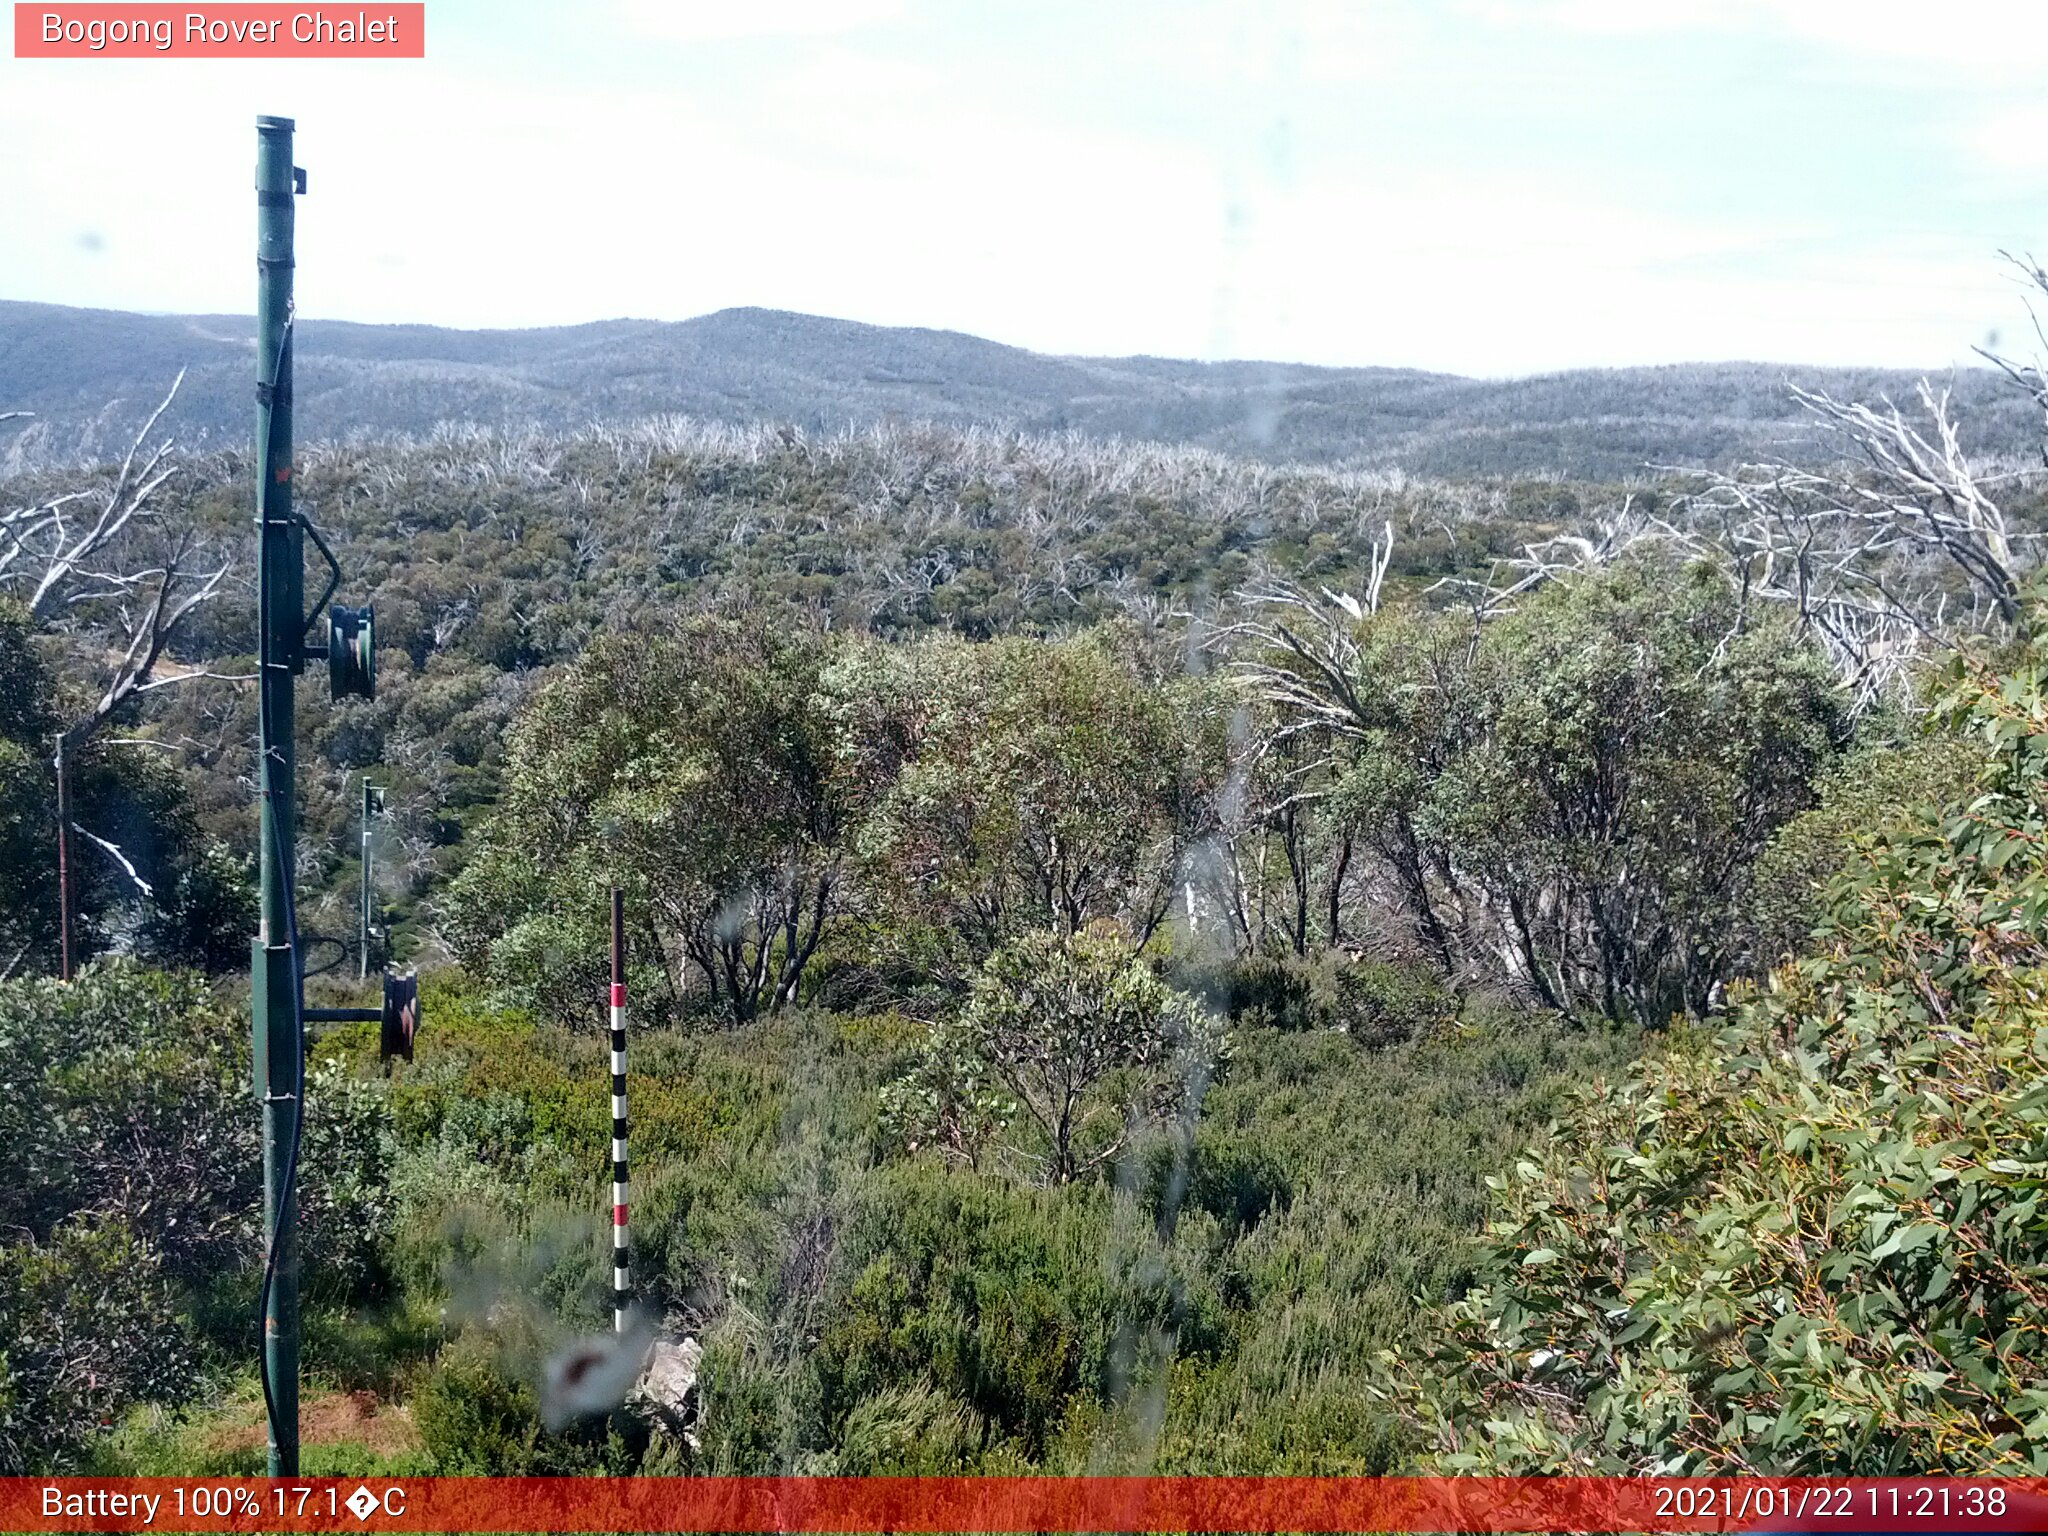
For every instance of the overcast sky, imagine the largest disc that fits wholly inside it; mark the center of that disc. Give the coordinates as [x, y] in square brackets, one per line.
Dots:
[1481, 186]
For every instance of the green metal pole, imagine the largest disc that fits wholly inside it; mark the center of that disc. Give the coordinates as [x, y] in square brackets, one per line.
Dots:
[274, 993]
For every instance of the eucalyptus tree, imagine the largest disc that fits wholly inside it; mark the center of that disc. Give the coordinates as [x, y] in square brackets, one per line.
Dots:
[1022, 784]
[1572, 794]
[1067, 1043]
[694, 767]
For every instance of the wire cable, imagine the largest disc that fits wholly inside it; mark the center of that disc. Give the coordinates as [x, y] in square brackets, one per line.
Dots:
[288, 1185]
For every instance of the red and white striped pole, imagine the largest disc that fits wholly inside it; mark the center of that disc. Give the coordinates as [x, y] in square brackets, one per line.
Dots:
[622, 1268]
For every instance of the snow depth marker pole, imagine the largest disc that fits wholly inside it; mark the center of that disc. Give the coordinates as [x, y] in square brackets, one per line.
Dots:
[622, 1270]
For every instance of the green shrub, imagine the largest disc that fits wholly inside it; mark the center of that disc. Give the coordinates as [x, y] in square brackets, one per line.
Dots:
[479, 1415]
[127, 1095]
[475, 1420]
[1071, 1038]
[346, 1214]
[1813, 1243]
[1216, 1170]
[91, 1325]
[1383, 1003]
[1376, 1002]
[908, 1431]
[206, 915]
[1315, 1422]
[1011, 1301]
[1236, 1180]
[1869, 789]
[1277, 992]
[1569, 801]
[449, 1211]
[131, 1209]
[748, 1429]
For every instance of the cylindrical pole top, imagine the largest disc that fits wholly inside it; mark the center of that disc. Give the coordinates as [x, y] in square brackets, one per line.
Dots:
[274, 124]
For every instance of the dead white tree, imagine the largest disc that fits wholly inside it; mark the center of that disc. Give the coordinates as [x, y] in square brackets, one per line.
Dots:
[1900, 550]
[1301, 650]
[43, 546]
[1920, 492]
[1302, 656]
[2030, 374]
[1902, 546]
[1906, 547]
[78, 563]
[1606, 539]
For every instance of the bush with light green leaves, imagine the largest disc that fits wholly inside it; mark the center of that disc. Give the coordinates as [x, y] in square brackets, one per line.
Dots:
[1816, 1242]
[1071, 1039]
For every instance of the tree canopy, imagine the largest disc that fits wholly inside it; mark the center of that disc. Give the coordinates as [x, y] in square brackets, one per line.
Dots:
[1811, 1241]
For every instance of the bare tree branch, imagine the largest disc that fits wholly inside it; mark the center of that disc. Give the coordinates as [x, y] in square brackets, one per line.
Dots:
[40, 550]
[81, 575]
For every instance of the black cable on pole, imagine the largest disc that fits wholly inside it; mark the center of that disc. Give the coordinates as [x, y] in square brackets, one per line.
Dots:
[285, 875]
[291, 1166]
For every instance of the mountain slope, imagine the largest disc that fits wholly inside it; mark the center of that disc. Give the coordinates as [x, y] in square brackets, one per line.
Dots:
[67, 365]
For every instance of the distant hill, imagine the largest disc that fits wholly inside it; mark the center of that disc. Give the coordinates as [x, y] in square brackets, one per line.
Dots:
[68, 365]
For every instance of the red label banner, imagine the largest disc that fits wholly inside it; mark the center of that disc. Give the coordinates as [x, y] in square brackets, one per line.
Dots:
[379, 31]
[1053, 1504]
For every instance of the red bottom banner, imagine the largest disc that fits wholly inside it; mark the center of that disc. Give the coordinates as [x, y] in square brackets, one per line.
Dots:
[1026, 1504]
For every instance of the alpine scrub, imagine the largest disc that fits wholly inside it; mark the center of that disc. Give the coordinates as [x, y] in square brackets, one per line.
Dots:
[1815, 1241]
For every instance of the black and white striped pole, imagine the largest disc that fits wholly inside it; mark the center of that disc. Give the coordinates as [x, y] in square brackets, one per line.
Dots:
[622, 1264]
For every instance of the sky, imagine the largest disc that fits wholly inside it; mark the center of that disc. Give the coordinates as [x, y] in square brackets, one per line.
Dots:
[1489, 187]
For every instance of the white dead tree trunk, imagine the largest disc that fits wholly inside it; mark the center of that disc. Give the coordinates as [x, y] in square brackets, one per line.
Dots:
[1920, 493]
[75, 561]
[1900, 551]
[2030, 374]
[1907, 547]
[1607, 539]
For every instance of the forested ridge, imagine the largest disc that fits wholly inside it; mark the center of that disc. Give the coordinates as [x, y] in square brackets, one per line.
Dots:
[1142, 959]
[825, 375]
